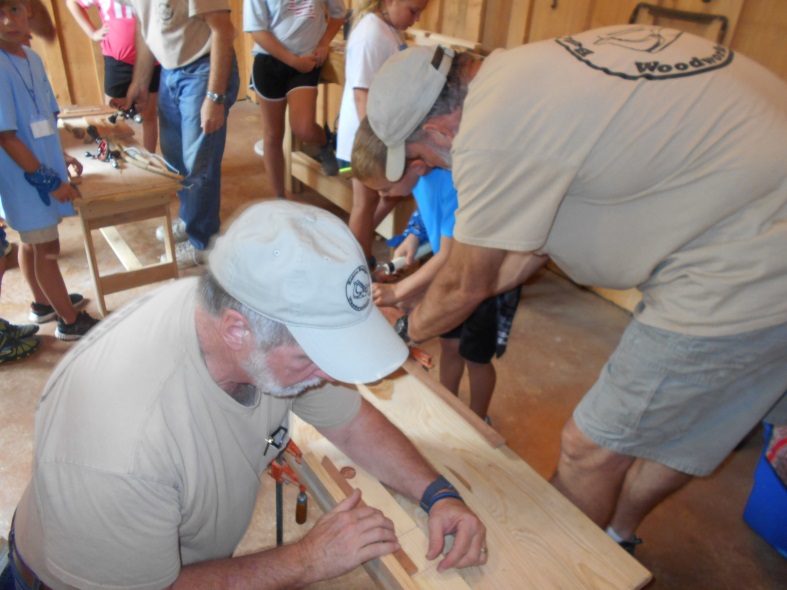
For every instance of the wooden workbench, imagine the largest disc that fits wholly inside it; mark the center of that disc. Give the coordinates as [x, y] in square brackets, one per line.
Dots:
[115, 196]
[537, 539]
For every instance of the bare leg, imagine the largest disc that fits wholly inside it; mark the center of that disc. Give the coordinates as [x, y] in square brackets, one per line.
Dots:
[273, 112]
[39, 266]
[362, 214]
[452, 365]
[483, 378]
[589, 475]
[646, 485]
[303, 116]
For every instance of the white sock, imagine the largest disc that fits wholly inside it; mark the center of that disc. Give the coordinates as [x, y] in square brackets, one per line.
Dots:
[615, 537]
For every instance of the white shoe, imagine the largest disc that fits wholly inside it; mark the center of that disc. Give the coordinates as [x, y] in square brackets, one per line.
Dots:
[186, 255]
[259, 147]
[178, 231]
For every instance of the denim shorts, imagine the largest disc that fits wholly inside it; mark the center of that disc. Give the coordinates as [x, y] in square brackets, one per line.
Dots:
[273, 79]
[684, 401]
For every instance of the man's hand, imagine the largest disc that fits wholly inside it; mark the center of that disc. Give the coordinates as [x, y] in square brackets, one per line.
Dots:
[346, 537]
[451, 517]
[212, 116]
[136, 95]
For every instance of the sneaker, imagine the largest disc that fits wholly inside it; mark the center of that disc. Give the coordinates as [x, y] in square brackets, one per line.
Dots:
[41, 313]
[186, 255]
[631, 543]
[75, 331]
[14, 349]
[17, 332]
[328, 157]
[178, 231]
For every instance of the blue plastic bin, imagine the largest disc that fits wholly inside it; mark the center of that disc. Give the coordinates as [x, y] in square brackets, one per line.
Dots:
[766, 510]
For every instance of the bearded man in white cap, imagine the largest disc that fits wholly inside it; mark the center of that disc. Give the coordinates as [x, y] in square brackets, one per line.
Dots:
[152, 434]
[631, 156]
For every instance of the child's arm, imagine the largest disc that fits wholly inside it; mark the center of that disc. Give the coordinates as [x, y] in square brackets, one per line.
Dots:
[26, 160]
[269, 42]
[321, 51]
[83, 20]
[406, 290]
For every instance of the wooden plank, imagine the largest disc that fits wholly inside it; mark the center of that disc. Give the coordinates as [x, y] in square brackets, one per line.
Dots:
[121, 248]
[490, 434]
[400, 556]
[536, 538]
[761, 34]
[556, 18]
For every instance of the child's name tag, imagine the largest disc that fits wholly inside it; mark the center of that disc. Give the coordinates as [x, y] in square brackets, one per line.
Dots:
[41, 128]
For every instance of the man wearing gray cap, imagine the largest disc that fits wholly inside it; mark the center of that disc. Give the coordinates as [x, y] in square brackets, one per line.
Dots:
[631, 156]
[152, 434]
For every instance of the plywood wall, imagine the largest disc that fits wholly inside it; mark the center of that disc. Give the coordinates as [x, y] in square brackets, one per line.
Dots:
[757, 28]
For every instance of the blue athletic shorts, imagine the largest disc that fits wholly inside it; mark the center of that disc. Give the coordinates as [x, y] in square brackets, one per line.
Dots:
[684, 401]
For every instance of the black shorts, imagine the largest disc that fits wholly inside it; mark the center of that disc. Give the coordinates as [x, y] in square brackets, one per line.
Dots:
[273, 79]
[118, 74]
[478, 333]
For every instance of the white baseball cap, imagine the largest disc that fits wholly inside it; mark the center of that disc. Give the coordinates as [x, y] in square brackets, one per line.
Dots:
[301, 266]
[402, 94]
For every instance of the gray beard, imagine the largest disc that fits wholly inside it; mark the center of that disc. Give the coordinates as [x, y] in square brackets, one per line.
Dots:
[265, 382]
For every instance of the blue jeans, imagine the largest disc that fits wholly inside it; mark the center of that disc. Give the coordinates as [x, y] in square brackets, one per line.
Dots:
[195, 155]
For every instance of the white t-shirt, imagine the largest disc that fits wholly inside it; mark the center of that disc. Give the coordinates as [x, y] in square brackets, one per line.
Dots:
[371, 42]
[635, 156]
[297, 24]
[142, 463]
[171, 30]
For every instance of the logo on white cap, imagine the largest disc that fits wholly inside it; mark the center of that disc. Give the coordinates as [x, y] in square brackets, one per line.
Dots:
[357, 289]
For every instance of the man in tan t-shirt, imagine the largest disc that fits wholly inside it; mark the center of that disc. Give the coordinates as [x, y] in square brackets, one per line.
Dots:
[631, 156]
[152, 435]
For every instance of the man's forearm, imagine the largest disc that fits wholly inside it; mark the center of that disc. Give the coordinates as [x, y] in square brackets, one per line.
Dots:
[145, 61]
[278, 568]
[221, 51]
[379, 447]
[470, 275]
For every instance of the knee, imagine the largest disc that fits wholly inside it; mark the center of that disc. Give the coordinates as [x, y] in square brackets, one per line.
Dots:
[577, 451]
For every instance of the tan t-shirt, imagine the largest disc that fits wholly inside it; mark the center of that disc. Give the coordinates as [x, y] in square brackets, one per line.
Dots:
[142, 463]
[635, 156]
[171, 30]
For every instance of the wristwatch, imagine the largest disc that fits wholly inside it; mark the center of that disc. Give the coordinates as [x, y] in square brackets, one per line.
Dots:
[215, 97]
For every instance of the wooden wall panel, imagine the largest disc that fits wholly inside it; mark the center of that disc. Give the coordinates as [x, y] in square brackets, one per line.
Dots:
[506, 23]
[554, 18]
[762, 34]
[758, 28]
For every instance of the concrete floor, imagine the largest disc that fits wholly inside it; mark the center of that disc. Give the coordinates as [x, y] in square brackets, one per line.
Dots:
[562, 335]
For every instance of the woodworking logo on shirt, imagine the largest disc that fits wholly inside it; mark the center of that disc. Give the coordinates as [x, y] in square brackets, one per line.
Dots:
[653, 53]
[358, 289]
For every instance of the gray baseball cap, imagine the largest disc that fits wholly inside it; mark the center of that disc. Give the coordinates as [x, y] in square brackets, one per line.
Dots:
[401, 94]
[301, 266]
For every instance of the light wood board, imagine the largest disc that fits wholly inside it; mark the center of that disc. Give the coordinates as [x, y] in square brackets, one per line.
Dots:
[537, 539]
